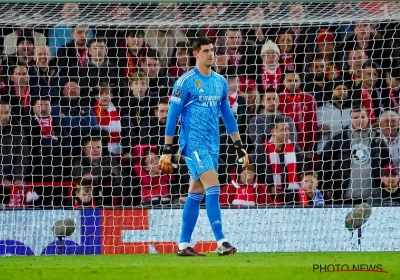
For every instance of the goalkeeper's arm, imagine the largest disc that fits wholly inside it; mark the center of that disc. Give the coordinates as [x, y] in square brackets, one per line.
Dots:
[233, 130]
[165, 164]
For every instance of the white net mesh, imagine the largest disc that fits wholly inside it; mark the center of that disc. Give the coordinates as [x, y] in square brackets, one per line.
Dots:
[85, 90]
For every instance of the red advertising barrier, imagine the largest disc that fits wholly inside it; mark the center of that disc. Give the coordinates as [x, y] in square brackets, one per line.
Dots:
[113, 222]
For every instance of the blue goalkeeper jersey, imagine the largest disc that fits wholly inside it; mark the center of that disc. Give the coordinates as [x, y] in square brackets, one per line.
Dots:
[200, 101]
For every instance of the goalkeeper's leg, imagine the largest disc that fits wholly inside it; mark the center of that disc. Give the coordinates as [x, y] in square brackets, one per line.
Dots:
[210, 182]
[189, 218]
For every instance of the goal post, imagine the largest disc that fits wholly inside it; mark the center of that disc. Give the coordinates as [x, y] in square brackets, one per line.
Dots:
[85, 90]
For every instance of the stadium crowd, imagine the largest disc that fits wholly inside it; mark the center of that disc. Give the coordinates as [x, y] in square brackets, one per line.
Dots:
[83, 111]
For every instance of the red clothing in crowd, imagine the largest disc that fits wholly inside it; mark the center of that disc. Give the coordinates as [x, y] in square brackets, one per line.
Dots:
[302, 108]
[368, 104]
[152, 187]
[176, 71]
[239, 194]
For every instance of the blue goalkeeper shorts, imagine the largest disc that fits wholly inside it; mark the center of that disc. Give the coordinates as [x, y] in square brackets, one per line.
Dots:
[200, 162]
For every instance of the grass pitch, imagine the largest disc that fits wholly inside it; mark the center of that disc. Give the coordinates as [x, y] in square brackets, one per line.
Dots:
[240, 266]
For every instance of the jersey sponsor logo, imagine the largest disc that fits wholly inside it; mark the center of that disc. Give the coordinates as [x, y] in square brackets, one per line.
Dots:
[208, 101]
[360, 154]
[199, 84]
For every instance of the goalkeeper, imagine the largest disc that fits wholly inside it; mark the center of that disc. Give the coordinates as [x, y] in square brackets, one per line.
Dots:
[199, 98]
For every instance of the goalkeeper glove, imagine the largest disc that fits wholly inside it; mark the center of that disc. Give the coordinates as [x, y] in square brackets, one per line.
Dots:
[165, 164]
[243, 158]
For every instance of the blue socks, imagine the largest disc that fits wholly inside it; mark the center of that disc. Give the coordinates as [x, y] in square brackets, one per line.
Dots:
[214, 212]
[190, 214]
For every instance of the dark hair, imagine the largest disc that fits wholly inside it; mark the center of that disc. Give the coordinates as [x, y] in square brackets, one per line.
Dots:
[276, 119]
[40, 97]
[87, 139]
[315, 57]
[97, 40]
[201, 41]
[232, 28]
[151, 53]
[163, 100]
[66, 80]
[370, 64]
[231, 72]
[12, 68]
[182, 45]
[357, 108]
[271, 89]
[2, 102]
[134, 33]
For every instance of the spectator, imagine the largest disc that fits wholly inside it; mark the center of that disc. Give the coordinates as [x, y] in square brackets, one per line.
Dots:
[120, 16]
[266, 69]
[48, 142]
[248, 90]
[13, 154]
[222, 62]
[20, 92]
[352, 71]
[83, 196]
[76, 117]
[237, 102]
[209, 12]
[23, 56]
[392, 92]
[99, 66]
[74, 54]
[389, 193]
[152, 129]
[370, 42]
[160, 83]
[302, 109]
[351, 161]
[100, 168]
[136, 104]
[43, 73]
[164, 38]
[259, 124]
[369, 95]
[22, 31]
[290, 56]
[238, 108]
[130, 49]
[155, 188]
[308, 194]
[62, 34]
[244, 190]
[109, 120]
[332, 116]
[389, 130]
[279, 162]
[316, 82]
[325, 46]
[233, 40]
[181, 61]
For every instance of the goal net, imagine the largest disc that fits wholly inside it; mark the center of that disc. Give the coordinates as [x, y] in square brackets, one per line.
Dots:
[85, 90]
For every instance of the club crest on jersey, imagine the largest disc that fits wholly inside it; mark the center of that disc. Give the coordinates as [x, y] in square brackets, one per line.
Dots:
[199, 84]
